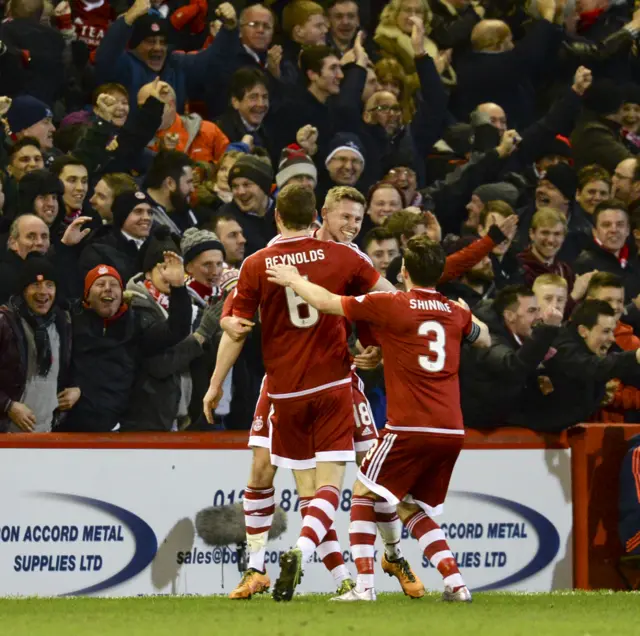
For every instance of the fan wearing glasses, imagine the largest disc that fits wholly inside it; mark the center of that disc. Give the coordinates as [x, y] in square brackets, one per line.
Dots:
[256, 32]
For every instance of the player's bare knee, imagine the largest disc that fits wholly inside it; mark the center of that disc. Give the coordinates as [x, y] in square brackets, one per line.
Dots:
[360, 490]
[406, 510]
[305, 482]
[262, 471]
[330, 474]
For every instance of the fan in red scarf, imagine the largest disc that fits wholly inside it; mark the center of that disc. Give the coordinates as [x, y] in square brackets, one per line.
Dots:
[204, 264]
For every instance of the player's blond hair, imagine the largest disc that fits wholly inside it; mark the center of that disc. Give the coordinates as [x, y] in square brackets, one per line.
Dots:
[343, 193]
[549, 279]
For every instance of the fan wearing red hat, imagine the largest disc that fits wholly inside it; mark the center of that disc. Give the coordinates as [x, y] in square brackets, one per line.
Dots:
[111, 341]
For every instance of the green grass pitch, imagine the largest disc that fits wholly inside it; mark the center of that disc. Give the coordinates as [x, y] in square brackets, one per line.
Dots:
[493, 614]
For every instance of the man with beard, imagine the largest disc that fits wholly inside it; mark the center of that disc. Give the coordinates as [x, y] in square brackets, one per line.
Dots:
[169, 183]
[252, 207]
[474, 285]
[110, 341]
[119, 247]
[35, 353]
[609, 251]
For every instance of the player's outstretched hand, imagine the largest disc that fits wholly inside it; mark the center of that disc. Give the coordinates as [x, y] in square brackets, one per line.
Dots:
[369, 359]
[282, 275]
[236, 328]
[211, 401]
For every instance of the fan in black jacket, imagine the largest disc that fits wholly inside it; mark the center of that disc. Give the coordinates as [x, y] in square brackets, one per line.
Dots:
[578, 371]
[609, 251]
[492, 383]
[110, 341]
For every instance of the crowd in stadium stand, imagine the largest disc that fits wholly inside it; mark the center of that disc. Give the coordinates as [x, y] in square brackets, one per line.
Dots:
[144, 144]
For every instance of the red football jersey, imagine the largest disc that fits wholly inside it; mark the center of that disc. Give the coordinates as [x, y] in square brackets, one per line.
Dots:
[420, 333]
[303, 350]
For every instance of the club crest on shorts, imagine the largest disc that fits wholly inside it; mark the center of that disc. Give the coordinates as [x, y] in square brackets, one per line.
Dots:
[258, 424]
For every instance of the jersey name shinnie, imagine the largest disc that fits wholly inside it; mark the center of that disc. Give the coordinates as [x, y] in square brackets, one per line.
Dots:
[429, 305]
[295, 258]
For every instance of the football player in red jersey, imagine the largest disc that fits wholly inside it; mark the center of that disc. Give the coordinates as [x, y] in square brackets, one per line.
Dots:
[342, 216]
[308, 367]
[411, 466]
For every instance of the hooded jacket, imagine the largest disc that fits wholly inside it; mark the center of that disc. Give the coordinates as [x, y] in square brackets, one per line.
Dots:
[201, 140]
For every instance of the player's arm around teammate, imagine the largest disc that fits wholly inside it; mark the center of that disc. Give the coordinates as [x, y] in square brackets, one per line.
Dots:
[329, 303]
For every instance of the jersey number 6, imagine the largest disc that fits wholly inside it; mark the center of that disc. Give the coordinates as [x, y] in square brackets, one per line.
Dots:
[436, 346]
[302, 314]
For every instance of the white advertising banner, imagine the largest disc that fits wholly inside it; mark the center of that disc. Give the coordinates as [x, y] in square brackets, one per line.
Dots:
[120, 522]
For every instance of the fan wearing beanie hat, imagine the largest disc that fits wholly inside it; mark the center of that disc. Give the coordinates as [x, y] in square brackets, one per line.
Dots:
[103, 292]
[258, 172]
[500, 191]
[132, 215]
[120, 246]
[296, 167]
[148, 40]
[31, 317]
[204, 256]
[345, 159]
[564, 181]
[29, 117]
[38, 193]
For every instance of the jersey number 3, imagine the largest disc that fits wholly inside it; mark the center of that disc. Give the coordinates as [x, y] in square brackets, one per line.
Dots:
[436, 346]
[302, 314]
